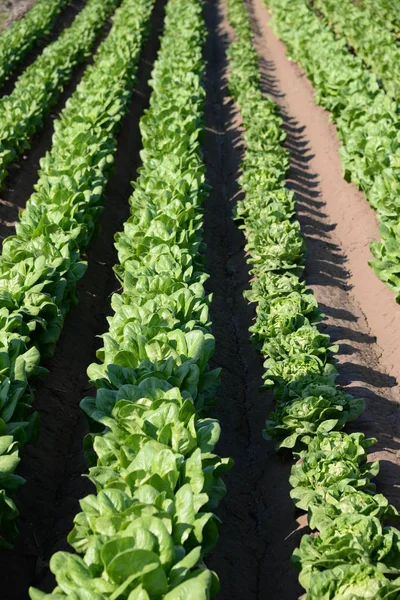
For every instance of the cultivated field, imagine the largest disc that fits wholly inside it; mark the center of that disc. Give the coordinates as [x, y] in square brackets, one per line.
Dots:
[11, 11]
[199, 300]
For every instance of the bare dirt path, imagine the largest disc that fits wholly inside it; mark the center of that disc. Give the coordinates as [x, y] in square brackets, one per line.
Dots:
[338, 225]
[13, 10]
[258, 531]
[53, 466]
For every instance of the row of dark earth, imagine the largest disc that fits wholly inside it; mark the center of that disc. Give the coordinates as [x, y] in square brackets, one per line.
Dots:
[145, 531]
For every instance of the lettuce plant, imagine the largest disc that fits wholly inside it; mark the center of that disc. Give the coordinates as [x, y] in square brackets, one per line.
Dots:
[301, 418]
[352, 581]
[340, 500]
[368, 34]
[17, 40]
[40, 265]
[352, 555]
[334, 460]
[23, 112]
[388, 11]
[353, 539]
[367, 116]
[145, 531]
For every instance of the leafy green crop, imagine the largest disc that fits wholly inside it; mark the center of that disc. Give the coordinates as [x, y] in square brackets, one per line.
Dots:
[16, 41]
[339, 500]
[333, 477]
[23, 112]
[144, 533]
[387, 10]
[319, 409]
[41, 264]
[368, 34]
[350, 539]
[355, 582]
[367, 117]
[336, 460]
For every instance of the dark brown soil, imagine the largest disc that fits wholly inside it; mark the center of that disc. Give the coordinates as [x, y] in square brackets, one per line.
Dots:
[53, 466]
[338, 225]
[258, 531]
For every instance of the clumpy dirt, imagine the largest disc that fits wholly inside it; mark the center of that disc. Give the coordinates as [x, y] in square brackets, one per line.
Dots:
[53, 466]
[338, 224]
[259, 531]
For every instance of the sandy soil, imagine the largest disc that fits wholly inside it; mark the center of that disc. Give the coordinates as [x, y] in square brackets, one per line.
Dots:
[13, 10]
[259, 529]
[53, 466]
[338, 225]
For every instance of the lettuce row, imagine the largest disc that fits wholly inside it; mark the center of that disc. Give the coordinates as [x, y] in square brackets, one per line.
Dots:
[368, 34]
[352, 551]
[41, 264]
[16, 41]
[387, 10]
[367, 121]
[23, 112]
[144, 534]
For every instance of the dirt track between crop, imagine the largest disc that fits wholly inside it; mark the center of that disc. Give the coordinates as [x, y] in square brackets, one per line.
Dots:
[259, 529]
[252, 557]
[339, 225]
[13, 10]
[53, 466]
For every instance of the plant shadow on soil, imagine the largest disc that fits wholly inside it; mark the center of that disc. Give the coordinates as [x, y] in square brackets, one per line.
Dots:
[54, 464]
[258, 532]
[325, 268]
